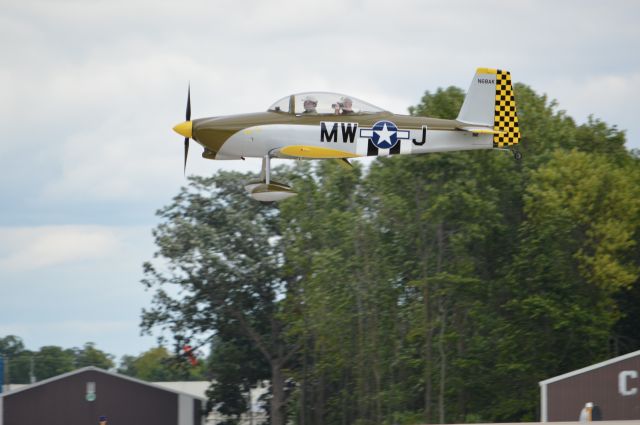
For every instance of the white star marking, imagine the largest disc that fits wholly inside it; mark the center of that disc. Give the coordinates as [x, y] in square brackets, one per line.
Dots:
[385, 134]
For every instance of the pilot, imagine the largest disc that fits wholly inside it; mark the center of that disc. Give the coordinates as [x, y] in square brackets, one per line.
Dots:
[347, 105]
[310, 103]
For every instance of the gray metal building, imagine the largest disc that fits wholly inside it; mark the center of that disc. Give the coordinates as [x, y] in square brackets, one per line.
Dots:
[613, 386]
[84, 396]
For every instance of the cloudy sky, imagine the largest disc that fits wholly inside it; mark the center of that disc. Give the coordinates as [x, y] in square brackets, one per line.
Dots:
[90, 90]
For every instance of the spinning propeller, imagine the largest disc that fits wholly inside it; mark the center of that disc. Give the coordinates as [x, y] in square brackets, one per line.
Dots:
[185, 128]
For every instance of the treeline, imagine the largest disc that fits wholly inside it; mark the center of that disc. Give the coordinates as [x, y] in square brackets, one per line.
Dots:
[432, 288]
[22, 366]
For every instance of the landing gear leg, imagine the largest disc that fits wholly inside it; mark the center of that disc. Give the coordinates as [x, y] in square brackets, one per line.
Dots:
[265, 189]
[265, 173]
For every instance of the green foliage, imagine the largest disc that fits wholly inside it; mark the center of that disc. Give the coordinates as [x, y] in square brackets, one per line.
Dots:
[18, 359]
[237, 366]
[52, 361]
[89, 355]
[431, 288]
[11, 346]
[597, 204]
[158, 364]
[48, 361]
[444, 103]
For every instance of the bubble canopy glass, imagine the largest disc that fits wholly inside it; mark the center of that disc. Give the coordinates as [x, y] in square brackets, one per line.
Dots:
[325, 103]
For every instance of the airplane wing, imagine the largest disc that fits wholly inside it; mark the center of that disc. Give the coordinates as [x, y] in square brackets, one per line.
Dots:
[313, 152]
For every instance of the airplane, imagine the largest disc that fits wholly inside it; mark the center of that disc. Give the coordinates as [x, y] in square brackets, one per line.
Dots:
[322, 125]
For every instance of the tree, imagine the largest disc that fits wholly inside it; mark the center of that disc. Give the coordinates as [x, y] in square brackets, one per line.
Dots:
[49, 361]
[52, 360]
[220, 250]
[237, 366]
[89, 355]
[329, 254]
[444, 103]
[11, 346]
[558, 300]
[19, 360]
[158, 364]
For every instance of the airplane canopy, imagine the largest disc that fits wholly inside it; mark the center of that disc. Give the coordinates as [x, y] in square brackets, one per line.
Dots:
[323, 103]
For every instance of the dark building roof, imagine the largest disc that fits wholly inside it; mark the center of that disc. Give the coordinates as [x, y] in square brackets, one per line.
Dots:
[82, 396]
[612, 385]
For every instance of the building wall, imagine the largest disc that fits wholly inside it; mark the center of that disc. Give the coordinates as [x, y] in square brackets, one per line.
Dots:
[63, 402]
[615, 388]
[198, 412]
[194, 388]
[185, 410]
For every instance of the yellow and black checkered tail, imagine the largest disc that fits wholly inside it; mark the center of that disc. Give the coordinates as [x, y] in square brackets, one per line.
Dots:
[490, 107]
[505, 124]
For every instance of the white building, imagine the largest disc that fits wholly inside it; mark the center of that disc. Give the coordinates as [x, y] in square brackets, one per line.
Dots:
[255, 416]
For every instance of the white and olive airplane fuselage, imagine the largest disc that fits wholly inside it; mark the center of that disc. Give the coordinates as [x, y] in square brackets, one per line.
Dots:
[334, 126]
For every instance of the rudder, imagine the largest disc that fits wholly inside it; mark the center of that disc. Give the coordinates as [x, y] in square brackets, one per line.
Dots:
[490, 103]
[506, 118]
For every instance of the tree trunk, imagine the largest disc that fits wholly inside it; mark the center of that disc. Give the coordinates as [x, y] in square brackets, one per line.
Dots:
[461, 320]
[443, 360]
[427, 354]
[364, 334]
[423, 247]
[443, 323]
[277, 396]
[302, 403]
[320, 402]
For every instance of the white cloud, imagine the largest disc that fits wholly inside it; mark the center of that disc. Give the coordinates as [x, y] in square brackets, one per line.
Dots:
[117, 337]
[96, 326]
[68, 327]
[608, 97]
[90, 291]
[39, 247]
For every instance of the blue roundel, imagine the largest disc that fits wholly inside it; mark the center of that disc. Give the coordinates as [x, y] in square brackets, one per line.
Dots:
[385, 135]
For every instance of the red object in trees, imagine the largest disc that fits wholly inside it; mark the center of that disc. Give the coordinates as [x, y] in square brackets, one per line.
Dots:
[189, 352]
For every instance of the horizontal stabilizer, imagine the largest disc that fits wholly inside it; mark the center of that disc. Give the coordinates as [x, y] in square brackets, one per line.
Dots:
[480, 130]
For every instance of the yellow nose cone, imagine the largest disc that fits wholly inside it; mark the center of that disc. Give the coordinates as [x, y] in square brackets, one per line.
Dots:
[184, 129]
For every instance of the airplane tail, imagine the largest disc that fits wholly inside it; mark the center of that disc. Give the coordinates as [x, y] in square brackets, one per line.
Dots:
[490, 103]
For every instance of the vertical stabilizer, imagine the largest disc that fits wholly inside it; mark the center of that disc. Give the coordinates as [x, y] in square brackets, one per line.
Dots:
[490, 103]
